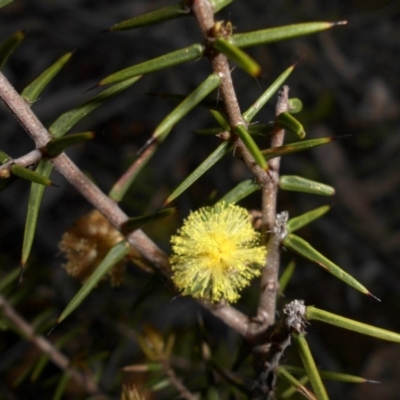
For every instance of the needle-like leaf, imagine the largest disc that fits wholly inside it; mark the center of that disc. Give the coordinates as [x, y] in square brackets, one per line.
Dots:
[67, 120]
[251, 146]
[116, 254]
[34, 89]
[304, 248]
[5, 2]
[168, 60]
[56, 146]
[310, 366]
[261, 101]
[239, 192]
[296, 223]
[300, 184]
[238, 56]
[294, 147]
[280, 33]
[30, 175]
[214, 157]
[313, 313]
[9, 45]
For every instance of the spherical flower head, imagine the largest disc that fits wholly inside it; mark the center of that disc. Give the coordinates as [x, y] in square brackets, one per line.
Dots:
[216, 253]
[86, 244]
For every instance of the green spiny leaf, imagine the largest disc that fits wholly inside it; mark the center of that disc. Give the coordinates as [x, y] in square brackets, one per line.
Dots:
[294, 147]
[4, 157]
[116, 254]
[215, 156]
[33, 90]
[298, 222]
[138, 222]
[260, 103]
[239, 192]
[30, 175]
[67, 120]
[310, 367]
[221, 120]
[5, 2]
[286, 277]
[8, 47]
[9, 279]
[313, 313]
[330, 375]
[347, 378]
[173, 11]
[62, 386]
[56, 146]
[304, 248]
[168, 60]
[210, 131]
[300, 184]
[154, 17]
[44, 168]
[39, 367]
[238, 56]
[286, 121]
[191, 101]
[296, 384]
[280, 33]
[251, 146]
[22, 375]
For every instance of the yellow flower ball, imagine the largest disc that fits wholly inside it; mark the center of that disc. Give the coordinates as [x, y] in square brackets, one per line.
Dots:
[216, 253]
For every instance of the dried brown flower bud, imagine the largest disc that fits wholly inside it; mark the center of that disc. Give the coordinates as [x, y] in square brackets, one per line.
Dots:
[86, 244]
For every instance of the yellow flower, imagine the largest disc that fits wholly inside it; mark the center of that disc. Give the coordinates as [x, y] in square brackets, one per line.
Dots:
[216, 253]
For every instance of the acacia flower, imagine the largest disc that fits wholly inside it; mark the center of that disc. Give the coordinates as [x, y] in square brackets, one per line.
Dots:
[216, 253]
[86, 244]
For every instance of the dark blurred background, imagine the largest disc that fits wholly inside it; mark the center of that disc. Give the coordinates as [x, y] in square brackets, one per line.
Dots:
[349, 81]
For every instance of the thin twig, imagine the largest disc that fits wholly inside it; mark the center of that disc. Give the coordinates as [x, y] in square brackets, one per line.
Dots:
[119, 188]
[269, 278]
[27, 160]
[47, 347]
[234, 318]
[176, 382]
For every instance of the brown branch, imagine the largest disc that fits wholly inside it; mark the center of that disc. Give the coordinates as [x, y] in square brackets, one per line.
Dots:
[269, 278]
[234, 318]
[27, 160]
[58, 358]
[22, 112]
[176, 382]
